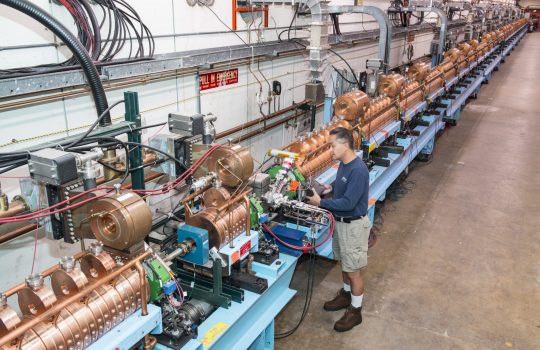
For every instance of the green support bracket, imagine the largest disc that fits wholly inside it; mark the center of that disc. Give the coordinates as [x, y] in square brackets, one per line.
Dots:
[135, 156]
[313, 109]
[157, 276]
[211, 290]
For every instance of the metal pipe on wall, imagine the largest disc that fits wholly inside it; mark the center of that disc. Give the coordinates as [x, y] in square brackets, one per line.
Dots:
[443, 30]
[385, 28]
[270, 126]
[260, 120]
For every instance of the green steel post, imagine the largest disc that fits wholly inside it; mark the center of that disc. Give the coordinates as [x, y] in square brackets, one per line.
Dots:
[313, 108]
[135, 157]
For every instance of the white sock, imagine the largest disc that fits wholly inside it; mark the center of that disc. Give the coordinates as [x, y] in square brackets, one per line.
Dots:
[346, 287]
[356, 300]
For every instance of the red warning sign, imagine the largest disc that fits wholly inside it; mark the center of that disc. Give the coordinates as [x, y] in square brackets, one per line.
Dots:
[217, 79]
[245, 248]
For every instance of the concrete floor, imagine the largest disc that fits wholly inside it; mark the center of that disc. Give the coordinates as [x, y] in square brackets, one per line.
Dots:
[457, 263]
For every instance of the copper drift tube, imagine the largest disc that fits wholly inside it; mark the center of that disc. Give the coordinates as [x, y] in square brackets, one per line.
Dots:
[269, 126]
[26, 326]
[15, 207]
[17, 232]
[260, 120]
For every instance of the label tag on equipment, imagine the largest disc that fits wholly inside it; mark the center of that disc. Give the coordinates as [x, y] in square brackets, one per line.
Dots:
[245, 248]
[217, 79]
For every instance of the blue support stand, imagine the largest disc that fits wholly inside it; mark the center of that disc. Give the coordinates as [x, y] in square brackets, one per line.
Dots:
[131, 330]
[249, 324]
[328, 109]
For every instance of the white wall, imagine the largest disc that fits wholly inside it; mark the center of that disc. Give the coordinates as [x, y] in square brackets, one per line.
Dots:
[233, 104]
[526, 3]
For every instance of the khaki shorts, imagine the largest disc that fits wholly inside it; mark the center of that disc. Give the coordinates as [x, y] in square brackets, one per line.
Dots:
[350, 244]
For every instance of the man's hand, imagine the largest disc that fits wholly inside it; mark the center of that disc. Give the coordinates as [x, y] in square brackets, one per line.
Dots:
[327, 189]
[315, 199]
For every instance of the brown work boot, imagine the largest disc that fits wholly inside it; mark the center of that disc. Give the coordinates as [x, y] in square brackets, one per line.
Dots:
[352, 317]
[341, 301]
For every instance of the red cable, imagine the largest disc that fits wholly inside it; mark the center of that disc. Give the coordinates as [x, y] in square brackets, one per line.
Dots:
[80, 18]
[162, 190]
[31, 215]
[36, 237]
[308, 247]
[171, 185]
[166, 188]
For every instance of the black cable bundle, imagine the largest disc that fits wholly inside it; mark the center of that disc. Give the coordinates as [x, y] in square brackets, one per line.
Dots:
[400, 18]
[307, 301]
[124, 27]
[123, 22]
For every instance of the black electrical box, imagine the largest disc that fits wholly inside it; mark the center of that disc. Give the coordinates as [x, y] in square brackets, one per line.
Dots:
[276, 87]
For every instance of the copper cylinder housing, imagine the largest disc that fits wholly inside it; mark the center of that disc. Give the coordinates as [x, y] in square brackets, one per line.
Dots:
[215, 197]
[419, 71]
[71, 331]
[499, 35]
[391, 85]
[216, 229]
[341, 124]
[232, 164]
[411, 99]
[86, 321]
[357, 138]
[381, 120]
[474, 44]
[50, 336]
[129, 287]
[311, 142]
[100, 310]
[325, 133]
[434, 84]
[377, 107]
[319, 139]
[313, 166]
[300, 147]
[97, 265]
[33, 302]
[447, 69]
[351, 105]
[489, 39]
[465, 48]
[113, 301]
[482, 48]
[30, 341]
[453, 55]
[78, 324]
[221, 225]
[8, 319]
[121, 220]
[65, 283]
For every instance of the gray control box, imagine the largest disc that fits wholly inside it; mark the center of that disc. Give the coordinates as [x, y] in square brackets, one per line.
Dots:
[260, 183]
[52, 166]
[186, 125]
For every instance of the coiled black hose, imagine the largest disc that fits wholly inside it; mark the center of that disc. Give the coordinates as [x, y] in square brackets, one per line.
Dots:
[78, 50]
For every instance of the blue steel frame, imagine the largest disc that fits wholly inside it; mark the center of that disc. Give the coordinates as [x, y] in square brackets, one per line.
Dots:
[250, 324]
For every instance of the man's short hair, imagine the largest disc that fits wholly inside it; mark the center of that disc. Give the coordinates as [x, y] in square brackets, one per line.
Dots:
[343, 134]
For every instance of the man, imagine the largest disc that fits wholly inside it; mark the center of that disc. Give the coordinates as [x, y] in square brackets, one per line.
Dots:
[349, 205]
